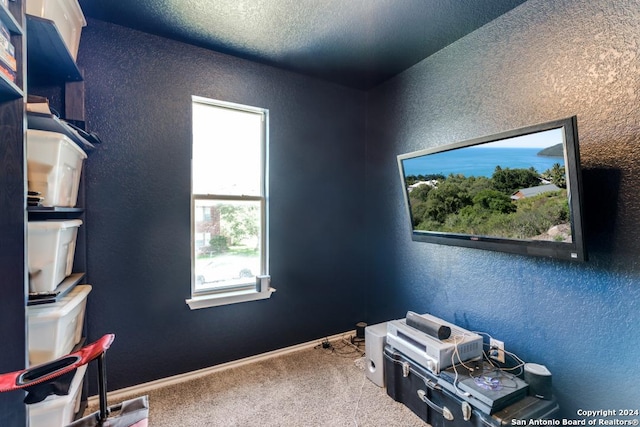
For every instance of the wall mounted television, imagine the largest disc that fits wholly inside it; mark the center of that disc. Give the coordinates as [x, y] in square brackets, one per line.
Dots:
[518, 191]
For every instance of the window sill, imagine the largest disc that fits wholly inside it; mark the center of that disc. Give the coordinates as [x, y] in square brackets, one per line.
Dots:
[227, 298]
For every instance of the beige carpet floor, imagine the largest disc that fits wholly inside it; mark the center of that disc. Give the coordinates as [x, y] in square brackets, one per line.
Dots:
[311, 387]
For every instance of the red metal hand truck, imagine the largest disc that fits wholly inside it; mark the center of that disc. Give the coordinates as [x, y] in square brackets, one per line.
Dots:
[55, 378]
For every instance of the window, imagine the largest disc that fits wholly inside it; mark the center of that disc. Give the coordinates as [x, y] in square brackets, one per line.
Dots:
[229, 250]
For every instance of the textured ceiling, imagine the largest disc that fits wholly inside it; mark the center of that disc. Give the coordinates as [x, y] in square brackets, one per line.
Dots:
[357, 43]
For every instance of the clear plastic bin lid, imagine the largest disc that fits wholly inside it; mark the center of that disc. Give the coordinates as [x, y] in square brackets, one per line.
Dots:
[53, 224]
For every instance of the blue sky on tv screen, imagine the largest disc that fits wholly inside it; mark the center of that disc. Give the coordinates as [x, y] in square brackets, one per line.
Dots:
[481, 160]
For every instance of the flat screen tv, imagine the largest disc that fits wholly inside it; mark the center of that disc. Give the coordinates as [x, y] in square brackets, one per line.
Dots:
[517, 191]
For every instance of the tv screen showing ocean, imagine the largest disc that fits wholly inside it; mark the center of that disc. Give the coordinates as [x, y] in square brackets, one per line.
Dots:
[479, 161]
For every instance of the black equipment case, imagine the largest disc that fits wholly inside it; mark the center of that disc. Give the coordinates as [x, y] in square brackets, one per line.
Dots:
[418, 389]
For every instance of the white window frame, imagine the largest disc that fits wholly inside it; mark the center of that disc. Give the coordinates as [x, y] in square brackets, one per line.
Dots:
[261, 289]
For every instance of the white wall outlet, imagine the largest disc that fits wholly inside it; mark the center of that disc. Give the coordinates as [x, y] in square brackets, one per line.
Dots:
[496, 350]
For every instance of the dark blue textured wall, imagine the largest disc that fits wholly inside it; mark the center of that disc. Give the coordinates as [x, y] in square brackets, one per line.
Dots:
[542, 61]
[138, 98]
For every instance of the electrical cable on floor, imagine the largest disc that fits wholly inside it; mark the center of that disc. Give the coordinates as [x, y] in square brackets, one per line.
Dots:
[355, 343]
[355, 411]
[348, 346]
[342, 347]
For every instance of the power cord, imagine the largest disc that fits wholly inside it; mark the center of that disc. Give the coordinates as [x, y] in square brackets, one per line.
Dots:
[348, 346]
[355, 342]
[355, 411]
[343, 347]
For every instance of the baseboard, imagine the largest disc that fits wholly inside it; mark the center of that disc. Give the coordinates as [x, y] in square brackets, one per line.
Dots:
[141, 389]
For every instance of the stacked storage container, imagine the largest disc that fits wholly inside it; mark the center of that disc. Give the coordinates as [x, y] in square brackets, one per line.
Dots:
[51, 249]
[67, 15]
[55, 328]
[58, 410]
[54, 165]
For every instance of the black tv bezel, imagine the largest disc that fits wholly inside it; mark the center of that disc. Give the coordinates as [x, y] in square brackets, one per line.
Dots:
[574, 251]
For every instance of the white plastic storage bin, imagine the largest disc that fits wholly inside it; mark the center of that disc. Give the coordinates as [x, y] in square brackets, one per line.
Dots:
[55, 328]
[66, 14]
[54, 165]
[51, 247]
[57, 411]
